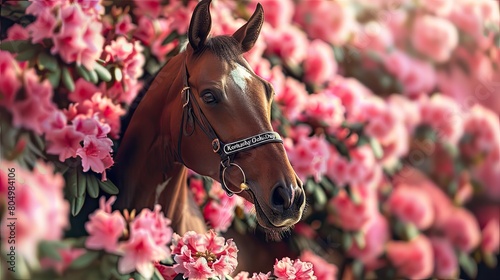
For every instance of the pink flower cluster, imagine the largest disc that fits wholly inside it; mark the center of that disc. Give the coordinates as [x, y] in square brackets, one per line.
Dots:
[38, 196]
[74, 29]
[203, 256]
[285, 269]
[140, 240]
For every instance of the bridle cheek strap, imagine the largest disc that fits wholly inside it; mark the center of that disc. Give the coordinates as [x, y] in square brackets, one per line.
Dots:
[228, 151]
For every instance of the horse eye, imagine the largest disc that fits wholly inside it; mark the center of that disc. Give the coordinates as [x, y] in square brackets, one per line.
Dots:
[208, 98]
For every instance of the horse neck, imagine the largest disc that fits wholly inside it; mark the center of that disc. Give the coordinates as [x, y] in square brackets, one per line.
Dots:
[145, 167]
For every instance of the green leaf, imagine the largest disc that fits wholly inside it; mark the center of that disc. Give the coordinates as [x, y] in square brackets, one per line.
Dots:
[67, 79]
[490, 260]
[81, 186]
[357, 269]
[84, 260]
[93, 76]
[157, 275]
[47, 61]
[102, 72]
[54, 77]
[26, 55]
[410, 231]
[108, 187]
[92, 186]
[15, 46]
[50, 249]
[77, 204]
[346, 241]
[82, 72]
[319, 198]
[359, 238]
[376, 148]
[467, 264]
[71, 182]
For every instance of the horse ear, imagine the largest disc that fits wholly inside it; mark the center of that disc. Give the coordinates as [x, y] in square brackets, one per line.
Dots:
[200, 25]
[249, 33]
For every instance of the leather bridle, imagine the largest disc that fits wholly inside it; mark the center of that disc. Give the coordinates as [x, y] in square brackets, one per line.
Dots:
[226, 151]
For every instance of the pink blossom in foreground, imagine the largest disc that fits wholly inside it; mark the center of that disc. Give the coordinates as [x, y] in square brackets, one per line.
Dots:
[10, 82]
[323, 270]
[39, 198]
[446, 266]
[434, 37]
[246, 276]
[16, 32]
[413, 259]
[201, 256]
[64, 142]
[285, 269]
[483, 126]
[95, 154]
[68, 255]
[411, 205]
[105, 227]
[462, 229]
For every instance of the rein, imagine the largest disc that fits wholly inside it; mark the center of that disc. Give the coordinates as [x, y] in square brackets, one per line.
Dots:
[226, 151]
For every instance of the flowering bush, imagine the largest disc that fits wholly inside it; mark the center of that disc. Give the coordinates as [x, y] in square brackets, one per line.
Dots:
[387, 109]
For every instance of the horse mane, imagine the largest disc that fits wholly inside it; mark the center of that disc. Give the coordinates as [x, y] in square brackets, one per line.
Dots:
[224, 47]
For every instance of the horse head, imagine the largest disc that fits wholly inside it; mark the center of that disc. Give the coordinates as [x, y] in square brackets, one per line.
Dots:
[226, 130]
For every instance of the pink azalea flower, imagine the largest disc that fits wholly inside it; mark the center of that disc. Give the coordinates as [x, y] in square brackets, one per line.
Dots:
[286, 269]
[413, 259]
[292, 98]
[9, 78]
[325, 108]
[462, 229]
[124, 25]
[219, 215]
[155, 223]
[446, 266]
[139, 253]
[309, 156]
[39, 198]
[444, 115]
[94, 152]
[351, 215]
[39, 6]
[434, 37]
[64, 142]
[278, 13]
[289, 42]
[150, 8]
[323, 270]
[245, 276]
[330, 21]
[17, 32]
[411, 205]
[489, 221]
[105, 227]
[319, 65]
[68, 255]
[376, 234]
[201, 256]
[43, 27]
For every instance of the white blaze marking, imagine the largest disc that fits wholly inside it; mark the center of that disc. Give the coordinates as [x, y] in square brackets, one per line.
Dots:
[240, 76]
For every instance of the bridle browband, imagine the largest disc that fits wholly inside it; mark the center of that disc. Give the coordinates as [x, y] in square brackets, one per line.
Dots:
[226, 151]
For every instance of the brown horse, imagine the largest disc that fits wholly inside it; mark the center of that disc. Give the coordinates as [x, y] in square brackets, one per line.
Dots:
[208, 111]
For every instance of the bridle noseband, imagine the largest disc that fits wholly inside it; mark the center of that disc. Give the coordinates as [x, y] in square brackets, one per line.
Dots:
[228, 151]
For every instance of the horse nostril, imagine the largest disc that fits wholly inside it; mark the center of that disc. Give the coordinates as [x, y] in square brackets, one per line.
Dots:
[281, 197]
